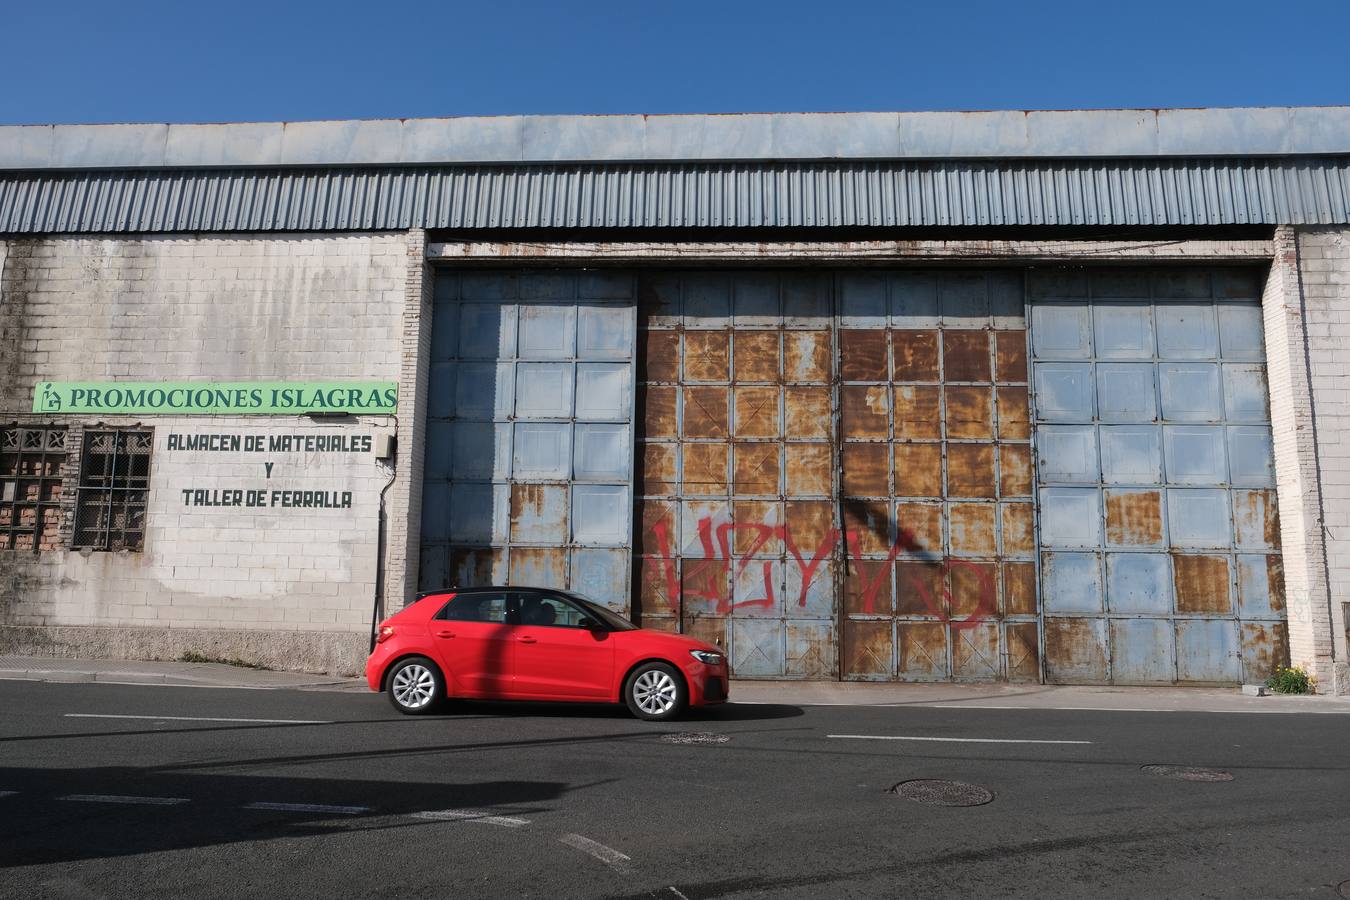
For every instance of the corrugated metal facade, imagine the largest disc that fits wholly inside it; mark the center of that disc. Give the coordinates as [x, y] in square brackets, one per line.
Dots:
[1093, 192]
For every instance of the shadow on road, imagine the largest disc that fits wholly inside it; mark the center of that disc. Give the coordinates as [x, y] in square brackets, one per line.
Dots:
[41, 828]
[725, 712]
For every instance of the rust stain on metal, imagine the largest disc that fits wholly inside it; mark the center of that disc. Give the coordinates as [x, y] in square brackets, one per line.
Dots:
[755, 355]
[867, 526]
[705, 468]
[1071, 645]
[1265, 647]
[867, 648]
[867, 587]
[667, 624]
[975, 651]
[1019, 535]
[809, 469]
[965, 356]
[970, 412]
[865, 469]
[809, 525]
[1256, 517]
[806, 412]
[807, 356]
[1010, 352]
[862, 354]
[707, 356]
[972, 528]
[756, 468]
[916, 356]
[1014, 417]
[863, 411]
[756, 412]
[1023, 645]
[918, 470]
[474, 566]
[659, 418]
[1275, 583]
[661, 359]
[660, 472]
[918, 412]
[1201, 583]
[810, 650]
[705, 412]
[921, 523]
[970, 470]
[1019, 588]
[703, 584]
[923, 649]
[973, 590]
[658, 529]
[543, 566]
[653, 590]
[709, 630]
[755, 528]
[1133, 518]
[1014, 470]
[921, 588]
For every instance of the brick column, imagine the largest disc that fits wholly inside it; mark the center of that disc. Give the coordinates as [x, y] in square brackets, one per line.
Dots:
[1298, 469]
[404, 500]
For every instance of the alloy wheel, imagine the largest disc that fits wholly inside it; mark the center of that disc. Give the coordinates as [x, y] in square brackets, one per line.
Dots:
[414, 686]
[655, 692]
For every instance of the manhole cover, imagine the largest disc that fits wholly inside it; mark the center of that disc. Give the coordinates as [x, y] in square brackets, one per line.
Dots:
[1187, 773]
[1344, 889]
[695, 737]
[936, 792]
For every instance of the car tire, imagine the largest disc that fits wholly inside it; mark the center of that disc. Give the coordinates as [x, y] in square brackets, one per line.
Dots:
[415, 686]
[655, 692]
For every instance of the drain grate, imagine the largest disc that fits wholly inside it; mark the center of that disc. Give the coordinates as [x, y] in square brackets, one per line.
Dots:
[695, 737]
[1187, 773]
[937, 792]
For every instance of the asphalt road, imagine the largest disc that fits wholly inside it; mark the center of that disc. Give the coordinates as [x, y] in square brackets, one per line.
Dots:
[344, 798]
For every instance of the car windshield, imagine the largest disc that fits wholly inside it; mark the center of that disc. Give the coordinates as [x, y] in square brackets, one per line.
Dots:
[613, 620]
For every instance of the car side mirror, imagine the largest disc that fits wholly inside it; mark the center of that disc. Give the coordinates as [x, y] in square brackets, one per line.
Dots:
[590, 624]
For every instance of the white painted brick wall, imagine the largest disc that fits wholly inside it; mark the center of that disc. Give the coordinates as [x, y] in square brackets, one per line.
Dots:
[1323, 256]
[219, 308]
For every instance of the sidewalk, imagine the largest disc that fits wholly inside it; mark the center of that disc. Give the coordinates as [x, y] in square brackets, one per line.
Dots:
[799, 693]
[182, 674]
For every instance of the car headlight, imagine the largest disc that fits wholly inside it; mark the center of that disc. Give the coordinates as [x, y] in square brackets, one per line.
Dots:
[707, 657]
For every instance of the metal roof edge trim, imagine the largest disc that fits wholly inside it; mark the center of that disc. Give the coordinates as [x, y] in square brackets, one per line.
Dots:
[995, 134]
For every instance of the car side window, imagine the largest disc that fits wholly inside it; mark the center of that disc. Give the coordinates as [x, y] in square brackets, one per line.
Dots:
[546, 610]
[476, 608]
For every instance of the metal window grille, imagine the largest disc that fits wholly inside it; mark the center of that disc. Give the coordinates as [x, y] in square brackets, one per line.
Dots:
[114, 482]
[31, 463]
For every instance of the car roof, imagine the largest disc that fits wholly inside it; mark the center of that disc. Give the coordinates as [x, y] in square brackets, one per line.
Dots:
[492, 588]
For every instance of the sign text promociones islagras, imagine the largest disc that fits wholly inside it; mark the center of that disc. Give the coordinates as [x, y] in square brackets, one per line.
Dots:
[215, 398]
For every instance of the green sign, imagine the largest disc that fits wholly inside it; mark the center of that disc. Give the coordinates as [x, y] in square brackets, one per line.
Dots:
[215, 398]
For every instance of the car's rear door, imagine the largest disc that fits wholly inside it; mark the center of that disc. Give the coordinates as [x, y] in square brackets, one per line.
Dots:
[472, 636]
[556, 656]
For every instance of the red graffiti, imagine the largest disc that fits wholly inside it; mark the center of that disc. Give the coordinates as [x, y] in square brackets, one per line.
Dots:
[705, 577]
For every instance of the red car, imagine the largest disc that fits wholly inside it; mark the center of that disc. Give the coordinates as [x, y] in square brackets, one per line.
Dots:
[511, 643]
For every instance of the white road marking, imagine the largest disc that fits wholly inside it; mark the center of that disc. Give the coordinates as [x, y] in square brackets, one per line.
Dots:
[115, 798]
[677, 893]
[310, 808]
[471, 815]
[8, 793]
[607, 855]
[198, 719]
[945, 740]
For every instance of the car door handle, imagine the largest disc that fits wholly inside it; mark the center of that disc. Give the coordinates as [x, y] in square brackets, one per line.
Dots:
[525, 639]
[445, 634]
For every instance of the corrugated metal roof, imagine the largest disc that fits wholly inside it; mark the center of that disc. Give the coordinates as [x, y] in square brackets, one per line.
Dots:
[1299, 190]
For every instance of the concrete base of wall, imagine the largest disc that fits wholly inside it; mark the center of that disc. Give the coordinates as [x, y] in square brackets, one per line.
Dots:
[330, 653]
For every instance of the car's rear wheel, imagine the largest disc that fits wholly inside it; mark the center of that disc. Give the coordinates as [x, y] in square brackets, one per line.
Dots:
[416, 686]
[655, 692]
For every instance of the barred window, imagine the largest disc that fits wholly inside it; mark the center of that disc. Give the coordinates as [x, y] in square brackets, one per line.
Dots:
[114, 481]
[31, 463]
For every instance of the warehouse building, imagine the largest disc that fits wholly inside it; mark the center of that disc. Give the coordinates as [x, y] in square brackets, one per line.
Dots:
[1034, 397]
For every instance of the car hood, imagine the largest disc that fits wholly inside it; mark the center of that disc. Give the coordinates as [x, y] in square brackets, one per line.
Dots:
[675, 641]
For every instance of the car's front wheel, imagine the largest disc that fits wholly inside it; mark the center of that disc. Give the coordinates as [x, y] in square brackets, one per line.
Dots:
[655, 692]
[415, 686]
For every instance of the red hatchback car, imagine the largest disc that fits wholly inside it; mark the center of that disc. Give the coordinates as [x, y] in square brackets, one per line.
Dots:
[511, 643]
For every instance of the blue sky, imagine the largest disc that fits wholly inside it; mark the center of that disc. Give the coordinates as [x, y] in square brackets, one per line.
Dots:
[193, 61]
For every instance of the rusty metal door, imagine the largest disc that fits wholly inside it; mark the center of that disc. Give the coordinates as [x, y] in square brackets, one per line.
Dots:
[834, 472]
[529, 432]
[1159, 541]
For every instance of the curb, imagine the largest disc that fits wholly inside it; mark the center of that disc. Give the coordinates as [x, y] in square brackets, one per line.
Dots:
[60, 676]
